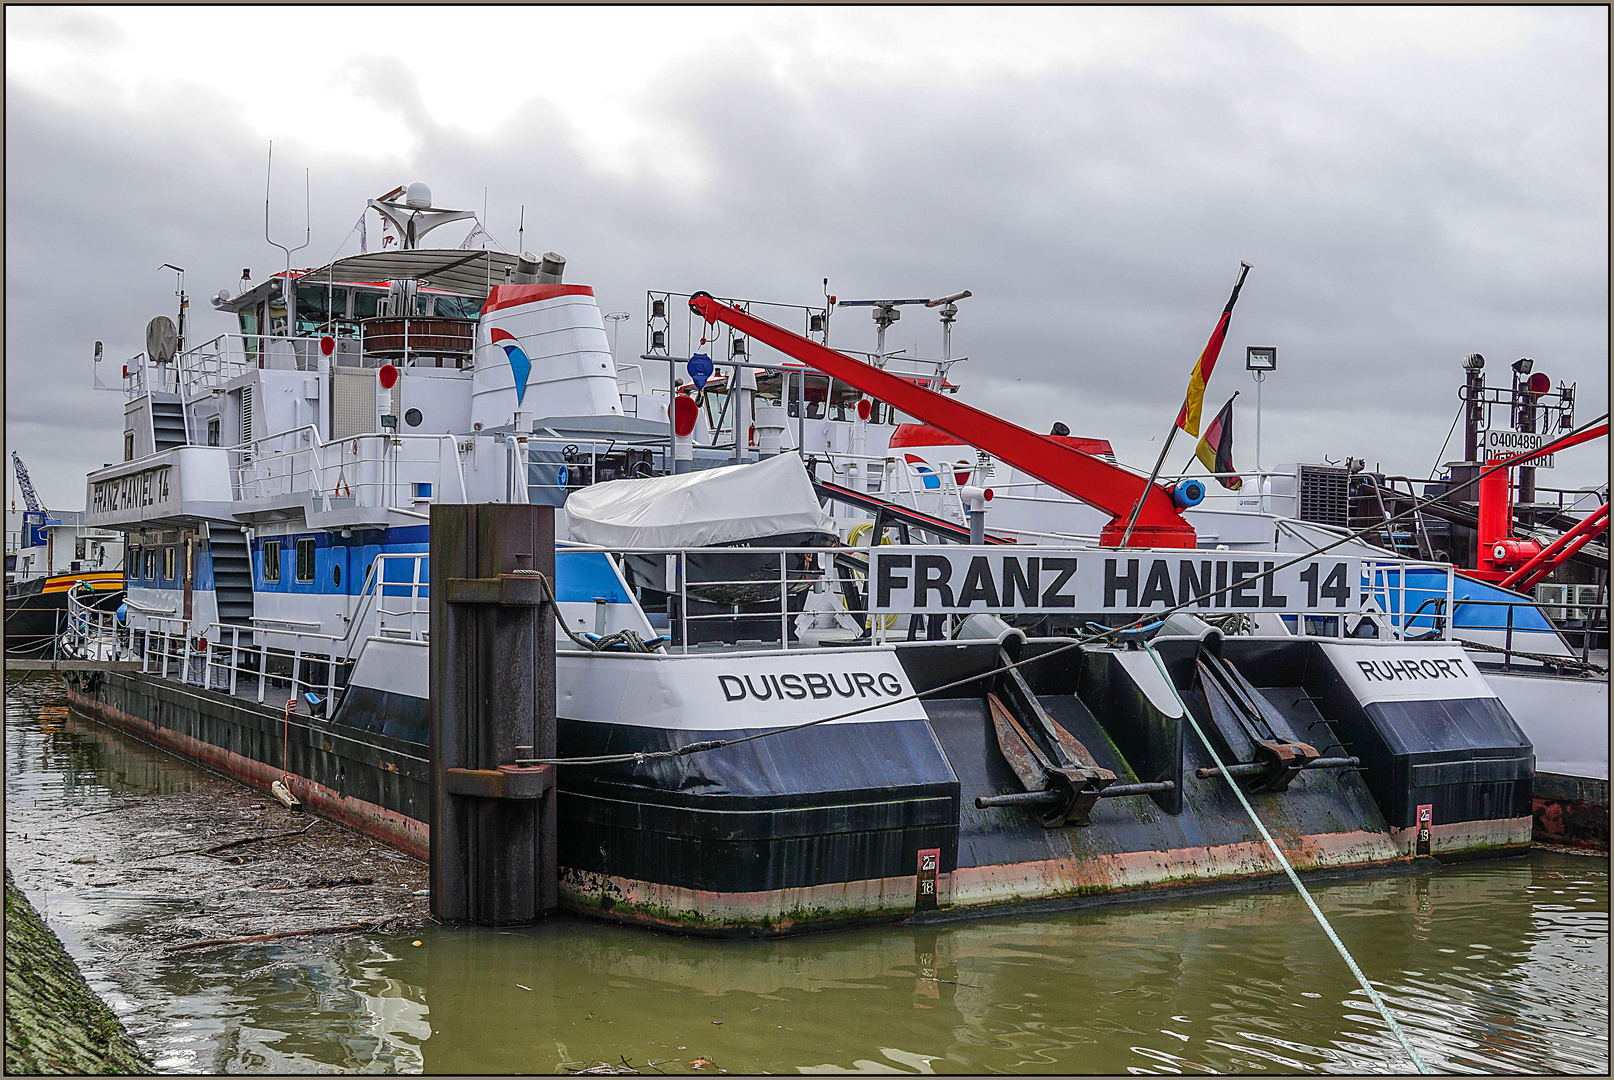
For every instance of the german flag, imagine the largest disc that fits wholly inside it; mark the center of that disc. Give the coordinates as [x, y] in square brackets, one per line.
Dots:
[1188, 418]
[1215, 450]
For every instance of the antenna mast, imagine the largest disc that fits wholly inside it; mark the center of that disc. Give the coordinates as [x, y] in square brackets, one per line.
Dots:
[184, 301]
[286, 290]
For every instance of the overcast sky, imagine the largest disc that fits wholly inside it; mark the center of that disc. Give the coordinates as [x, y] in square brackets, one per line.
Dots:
[1411, 185]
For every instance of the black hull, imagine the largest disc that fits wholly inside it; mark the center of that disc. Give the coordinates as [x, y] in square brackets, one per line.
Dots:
[829, 826]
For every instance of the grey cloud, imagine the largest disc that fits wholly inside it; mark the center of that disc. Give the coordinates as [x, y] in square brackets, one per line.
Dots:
[1099, 215]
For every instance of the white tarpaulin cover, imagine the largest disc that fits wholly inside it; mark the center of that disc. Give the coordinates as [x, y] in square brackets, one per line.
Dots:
[696, 509]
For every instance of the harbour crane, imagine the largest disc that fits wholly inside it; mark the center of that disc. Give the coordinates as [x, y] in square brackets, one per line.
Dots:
[30, 498]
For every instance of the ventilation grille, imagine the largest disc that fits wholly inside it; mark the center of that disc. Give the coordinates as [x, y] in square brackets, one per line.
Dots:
[353, 401]
[1324, 495]
[246, 414]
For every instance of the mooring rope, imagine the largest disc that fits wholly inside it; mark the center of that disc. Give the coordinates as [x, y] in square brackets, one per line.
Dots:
[1544, 658]
[1294, 878]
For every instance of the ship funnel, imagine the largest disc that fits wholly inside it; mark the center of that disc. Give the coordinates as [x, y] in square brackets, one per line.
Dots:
[552, 268]
[526, 269]
[419, 196]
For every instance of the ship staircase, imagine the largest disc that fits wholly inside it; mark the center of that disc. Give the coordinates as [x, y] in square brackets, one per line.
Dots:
[232, 575]
[167, 424]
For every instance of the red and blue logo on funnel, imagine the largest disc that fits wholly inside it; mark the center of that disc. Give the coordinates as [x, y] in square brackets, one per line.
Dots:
[926, 473]
[520, 366]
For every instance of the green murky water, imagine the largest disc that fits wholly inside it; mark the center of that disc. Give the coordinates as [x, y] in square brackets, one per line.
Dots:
[1491, 967]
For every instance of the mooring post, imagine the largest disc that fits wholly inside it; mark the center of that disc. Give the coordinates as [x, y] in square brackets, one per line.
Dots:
[493, 840]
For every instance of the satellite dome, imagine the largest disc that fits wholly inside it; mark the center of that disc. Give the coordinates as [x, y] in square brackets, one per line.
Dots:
[418, 196]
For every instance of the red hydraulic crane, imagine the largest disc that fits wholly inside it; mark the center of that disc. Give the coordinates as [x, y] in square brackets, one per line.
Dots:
[1080, 475]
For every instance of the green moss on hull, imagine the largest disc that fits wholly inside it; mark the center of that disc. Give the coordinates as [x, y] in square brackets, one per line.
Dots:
[54, 1021]
[795, 921]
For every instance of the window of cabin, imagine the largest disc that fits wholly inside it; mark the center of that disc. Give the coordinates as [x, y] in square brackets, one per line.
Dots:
[770, 388]
[271, 561]
[134, 563]
[366, 303]
[305, 559]
[151, 564]
[843, 401]
[317, 305]
[817, 396]
[459, 307]
[128, 446]
[717, 408]
[170, 563]
[213, 431]
[251, 327]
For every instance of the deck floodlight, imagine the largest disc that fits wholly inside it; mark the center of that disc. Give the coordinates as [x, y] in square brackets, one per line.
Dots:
[1261, 358]
[1523, 365]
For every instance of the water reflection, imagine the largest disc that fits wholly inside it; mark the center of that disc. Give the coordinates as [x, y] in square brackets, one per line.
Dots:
[1479, 978]
[1491, 966]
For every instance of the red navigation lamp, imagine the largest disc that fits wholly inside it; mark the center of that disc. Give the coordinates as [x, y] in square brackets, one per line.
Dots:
[864, 408]
[1539, 383]
[387, 375]
[684, 412]
[327, 344]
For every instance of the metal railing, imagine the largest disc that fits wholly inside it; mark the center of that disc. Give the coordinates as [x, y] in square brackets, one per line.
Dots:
[218, 655]
[1586, 632]
[372, 471]
[212, 364]
[1385, 586]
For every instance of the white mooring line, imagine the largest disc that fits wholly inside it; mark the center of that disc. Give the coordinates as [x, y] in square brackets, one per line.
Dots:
[1373, 995]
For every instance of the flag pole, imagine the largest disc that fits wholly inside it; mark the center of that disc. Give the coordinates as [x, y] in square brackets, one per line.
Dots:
[1138, 506]
[1212, 349]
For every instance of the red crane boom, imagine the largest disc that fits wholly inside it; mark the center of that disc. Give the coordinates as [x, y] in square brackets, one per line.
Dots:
[1080, 475]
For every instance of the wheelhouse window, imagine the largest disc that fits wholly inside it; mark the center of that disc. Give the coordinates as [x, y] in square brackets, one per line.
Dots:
[459, 307]
[305, 559]
[366, 303]
[271, 561]
[317, 305]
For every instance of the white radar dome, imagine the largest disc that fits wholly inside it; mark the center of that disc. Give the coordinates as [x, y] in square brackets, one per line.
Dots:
[418, 196]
